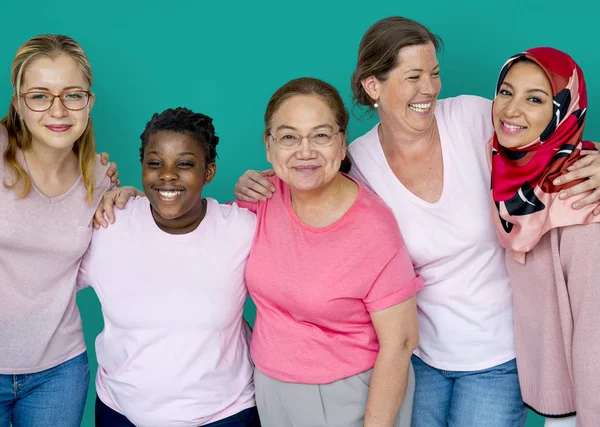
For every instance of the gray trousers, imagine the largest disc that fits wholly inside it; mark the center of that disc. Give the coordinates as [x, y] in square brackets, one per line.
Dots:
[339, 404]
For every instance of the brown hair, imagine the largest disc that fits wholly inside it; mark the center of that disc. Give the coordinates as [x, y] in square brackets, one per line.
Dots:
[314, 87]
[49, 46]
[378, 51]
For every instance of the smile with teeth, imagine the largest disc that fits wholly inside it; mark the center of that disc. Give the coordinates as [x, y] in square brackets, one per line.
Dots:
[169, 194]
[515, 127]
[420, 108]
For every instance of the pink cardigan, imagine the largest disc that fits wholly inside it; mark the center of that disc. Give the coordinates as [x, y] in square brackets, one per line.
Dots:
[557, 323]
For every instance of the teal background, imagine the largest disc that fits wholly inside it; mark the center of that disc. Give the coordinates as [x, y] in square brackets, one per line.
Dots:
[226, 58]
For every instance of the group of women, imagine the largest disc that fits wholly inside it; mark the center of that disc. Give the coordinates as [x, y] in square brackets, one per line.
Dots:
[392, 287]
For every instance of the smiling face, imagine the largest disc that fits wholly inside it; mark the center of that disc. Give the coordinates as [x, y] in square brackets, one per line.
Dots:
[523, 106]
[174, 171]
[408, 96]
[57, 128]
[305, 167]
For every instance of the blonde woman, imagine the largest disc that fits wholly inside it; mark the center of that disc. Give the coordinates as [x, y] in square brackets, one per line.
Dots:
[51, 182]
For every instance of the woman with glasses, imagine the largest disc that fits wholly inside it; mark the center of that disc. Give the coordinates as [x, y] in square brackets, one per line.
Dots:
[329, 274]
[51, 182]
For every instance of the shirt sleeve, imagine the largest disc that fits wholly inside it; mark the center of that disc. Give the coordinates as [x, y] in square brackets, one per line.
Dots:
[251, 206]
[83, 278]
[396, 283]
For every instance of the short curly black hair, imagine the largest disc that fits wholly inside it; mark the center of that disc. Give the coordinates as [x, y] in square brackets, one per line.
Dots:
[185, 121]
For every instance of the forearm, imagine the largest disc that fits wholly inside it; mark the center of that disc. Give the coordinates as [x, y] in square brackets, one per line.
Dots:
[388, 387]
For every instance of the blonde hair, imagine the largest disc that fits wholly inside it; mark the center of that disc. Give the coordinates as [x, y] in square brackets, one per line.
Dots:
[19, 137]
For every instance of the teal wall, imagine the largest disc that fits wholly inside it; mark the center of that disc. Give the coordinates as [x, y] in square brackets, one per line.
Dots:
[225, 59]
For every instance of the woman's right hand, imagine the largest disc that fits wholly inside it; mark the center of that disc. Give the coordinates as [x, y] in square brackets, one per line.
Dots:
[119, 197]
[253, 186]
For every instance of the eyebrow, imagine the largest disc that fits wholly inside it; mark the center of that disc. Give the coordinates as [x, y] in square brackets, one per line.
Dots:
[420, 70]
[45, 89]
[528, 90]
[324, 125]
[184, 153]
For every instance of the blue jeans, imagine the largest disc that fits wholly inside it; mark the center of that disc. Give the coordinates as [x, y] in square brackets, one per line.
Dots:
[54, 397]
[487, 398]
[107, 417]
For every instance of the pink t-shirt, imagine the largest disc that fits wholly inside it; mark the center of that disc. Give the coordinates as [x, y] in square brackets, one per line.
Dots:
[314, 288]
[174, 349]
[42, 240]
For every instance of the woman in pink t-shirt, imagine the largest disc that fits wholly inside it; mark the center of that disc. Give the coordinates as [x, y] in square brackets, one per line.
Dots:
[553, 250]
[330, 276]
[51, 182]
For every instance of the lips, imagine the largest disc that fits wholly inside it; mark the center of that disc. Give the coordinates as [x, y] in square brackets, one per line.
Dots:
[306, 168]
[420, 107]
[59, 128]
[511, 128]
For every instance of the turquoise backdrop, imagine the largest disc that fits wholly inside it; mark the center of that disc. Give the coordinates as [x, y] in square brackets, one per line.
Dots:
[226, 58]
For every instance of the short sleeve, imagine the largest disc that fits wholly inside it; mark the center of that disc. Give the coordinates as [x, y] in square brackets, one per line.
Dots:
[251, 206]
[396, 283]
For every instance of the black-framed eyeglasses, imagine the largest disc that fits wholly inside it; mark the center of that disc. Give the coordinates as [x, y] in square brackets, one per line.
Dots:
[73, 100]
[319, 139]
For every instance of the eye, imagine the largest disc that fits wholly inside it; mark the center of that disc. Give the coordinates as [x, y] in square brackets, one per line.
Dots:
[535, 100]
[38, 96]
[185, 165]
[504, 92]
[73, 95]
[153, 164]
[436, 74]
[414, 78]
[287, 137]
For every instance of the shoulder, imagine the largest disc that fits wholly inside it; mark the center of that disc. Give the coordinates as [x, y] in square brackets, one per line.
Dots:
[101, 181]
[235, 219]
[376, 218]
[466, 115]
[365, 142]
[126, 219]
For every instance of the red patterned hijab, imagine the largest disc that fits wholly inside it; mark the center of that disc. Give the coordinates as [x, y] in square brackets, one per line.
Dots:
[522, 189]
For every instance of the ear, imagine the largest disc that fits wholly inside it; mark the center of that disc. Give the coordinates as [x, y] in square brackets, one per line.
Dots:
[372, 86]
[92, 101]
[211, 171]
[267, 140]
[15, 103]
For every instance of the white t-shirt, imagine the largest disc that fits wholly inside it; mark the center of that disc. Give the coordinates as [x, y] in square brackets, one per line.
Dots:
[174, 349]
[465, 308]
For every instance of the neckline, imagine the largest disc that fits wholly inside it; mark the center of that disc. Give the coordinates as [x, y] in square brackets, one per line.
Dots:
[158, 230]
[287, 200]
[71, 190]
[409, 194]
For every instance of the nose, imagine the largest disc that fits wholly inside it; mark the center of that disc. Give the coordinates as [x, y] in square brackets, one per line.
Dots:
[306, 149]
[512, 108]
[57, 109]
[168, 174]
[428, 86]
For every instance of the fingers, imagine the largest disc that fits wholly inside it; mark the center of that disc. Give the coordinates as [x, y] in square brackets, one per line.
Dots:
[99, 220]
[123, 196]
[104, 158]
[583, 162]
[112, 172]
[260, 178]
[590, 199]
[249, 195]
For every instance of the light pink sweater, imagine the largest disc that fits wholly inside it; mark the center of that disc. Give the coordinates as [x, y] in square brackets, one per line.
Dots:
[42, 241]
[557, 323]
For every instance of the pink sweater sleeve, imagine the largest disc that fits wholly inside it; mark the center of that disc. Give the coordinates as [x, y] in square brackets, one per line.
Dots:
[580, 259]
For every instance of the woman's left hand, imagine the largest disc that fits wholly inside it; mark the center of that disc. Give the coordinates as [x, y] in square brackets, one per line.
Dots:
[587, 168]
[112, 172]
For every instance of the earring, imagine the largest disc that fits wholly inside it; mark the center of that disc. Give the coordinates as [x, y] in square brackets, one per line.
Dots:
[21, 118]
[375, 105]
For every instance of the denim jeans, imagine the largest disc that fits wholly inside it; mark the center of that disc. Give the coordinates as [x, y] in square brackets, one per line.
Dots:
[107, 417]
[487, 398]
[54, 397]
